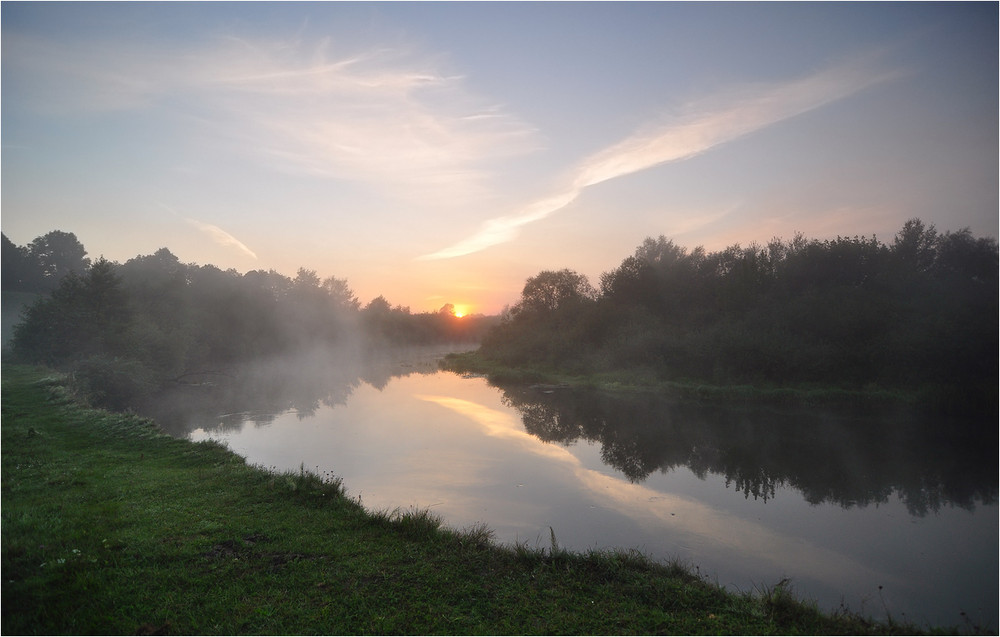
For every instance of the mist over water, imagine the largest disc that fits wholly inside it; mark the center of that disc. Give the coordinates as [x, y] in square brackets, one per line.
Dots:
[299, 383]
[840, 502]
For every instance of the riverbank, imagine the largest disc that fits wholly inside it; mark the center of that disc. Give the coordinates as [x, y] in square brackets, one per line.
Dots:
[643, 380]
[110, 526]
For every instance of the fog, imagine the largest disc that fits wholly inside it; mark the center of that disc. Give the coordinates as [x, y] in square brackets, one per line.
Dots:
[300, 383]
[852, 457]
[310, 374]
[842, 501]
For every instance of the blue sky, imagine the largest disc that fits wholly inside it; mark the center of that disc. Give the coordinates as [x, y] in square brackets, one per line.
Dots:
[445, 152]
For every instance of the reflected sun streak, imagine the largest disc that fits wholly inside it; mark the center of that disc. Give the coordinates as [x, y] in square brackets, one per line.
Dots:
[683, 516]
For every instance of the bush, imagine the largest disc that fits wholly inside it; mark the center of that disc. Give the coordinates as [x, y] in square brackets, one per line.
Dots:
[112, 382]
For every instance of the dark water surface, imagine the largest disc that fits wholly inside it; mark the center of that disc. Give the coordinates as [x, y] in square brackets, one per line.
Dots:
[886, 513]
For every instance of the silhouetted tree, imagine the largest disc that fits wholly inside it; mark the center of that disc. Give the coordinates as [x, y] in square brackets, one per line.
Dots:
[549, 291]
[341, 295]
[84, 316]
[57, 254]
[915, 245]
[921, 314]
[18, 268]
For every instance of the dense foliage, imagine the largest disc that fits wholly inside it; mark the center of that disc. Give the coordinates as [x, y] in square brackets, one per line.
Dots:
[127, 329]
[920, 313]
[40, 265]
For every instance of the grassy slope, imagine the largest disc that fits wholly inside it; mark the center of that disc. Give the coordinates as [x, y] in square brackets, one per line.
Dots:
[109, 526]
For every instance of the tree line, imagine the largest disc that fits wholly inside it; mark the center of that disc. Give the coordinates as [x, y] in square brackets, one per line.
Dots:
[920, 313]
[125, 330]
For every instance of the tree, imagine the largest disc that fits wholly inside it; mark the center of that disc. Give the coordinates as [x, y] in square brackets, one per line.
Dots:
[306, 279]
[275, 285]
[659, 277]
[158, 290]
[108, 302]
[659, 251]
[915, 245]
[961, 255]
[58, 254]
[18, 268]
[84, 316]
[340, 293]
[157, 283]
[549, 291]
[378, 306]
[626, 282]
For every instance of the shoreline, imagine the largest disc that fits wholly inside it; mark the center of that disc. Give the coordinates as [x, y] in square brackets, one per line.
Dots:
[636, 382]
[165, 535]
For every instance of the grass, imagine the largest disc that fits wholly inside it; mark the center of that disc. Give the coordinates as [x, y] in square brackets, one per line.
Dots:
[646, 380]
[111, 527]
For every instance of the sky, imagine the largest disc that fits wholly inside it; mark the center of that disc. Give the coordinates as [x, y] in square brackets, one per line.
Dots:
[439, 153]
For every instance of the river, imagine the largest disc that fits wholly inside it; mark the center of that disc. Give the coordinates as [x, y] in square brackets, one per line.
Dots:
[888, 514]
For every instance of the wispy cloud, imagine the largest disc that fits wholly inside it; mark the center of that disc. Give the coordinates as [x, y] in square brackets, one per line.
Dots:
[382, 117]
[698, 128]
[703, 126]
[503, 229]
[220, 236]
[385, 117]
[215, 233]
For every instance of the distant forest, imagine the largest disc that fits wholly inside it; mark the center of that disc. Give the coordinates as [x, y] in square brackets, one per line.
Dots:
[919, 315]
[127, 330]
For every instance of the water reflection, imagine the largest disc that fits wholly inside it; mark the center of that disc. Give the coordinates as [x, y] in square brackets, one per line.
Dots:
[301, 384]
[639, 471]
[848, 458]
[687, 520]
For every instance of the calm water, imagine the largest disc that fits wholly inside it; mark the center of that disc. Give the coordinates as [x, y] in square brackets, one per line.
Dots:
[884, 514]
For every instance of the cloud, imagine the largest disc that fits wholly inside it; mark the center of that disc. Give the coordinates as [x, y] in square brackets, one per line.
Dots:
[221, 237]
[503, 229]
[704, 127]
[700, 127]
[382, 117]
[385, 117]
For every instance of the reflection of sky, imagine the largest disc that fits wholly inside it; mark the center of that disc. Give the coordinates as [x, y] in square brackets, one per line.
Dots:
[690, 522]
[449, 444]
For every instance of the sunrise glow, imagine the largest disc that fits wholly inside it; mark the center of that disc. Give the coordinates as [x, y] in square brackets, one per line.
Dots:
[424, 151]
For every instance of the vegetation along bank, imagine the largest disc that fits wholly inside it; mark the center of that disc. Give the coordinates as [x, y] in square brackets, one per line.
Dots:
[850, 319]
[110, 526]
[844, 319]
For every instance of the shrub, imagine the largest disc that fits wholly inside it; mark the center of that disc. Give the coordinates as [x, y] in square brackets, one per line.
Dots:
[113, 383]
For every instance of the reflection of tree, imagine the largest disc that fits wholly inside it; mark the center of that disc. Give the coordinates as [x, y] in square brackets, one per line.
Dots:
[258, 393]
[847, 458]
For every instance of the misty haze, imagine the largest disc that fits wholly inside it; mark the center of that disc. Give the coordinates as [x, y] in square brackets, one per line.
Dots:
[518, 276]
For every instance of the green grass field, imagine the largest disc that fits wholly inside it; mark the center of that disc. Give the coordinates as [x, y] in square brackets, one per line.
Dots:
[111, 527]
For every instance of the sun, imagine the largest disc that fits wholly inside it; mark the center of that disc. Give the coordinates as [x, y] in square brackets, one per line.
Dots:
[461, 310]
